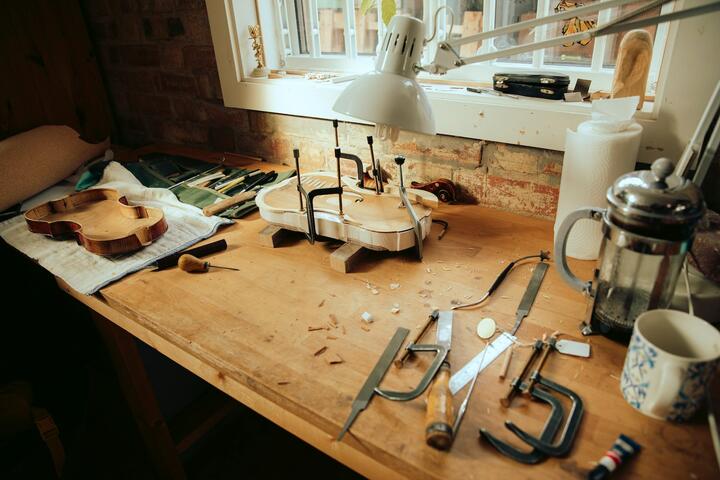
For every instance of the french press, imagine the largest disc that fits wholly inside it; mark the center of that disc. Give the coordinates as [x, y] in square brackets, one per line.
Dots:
[646, 232]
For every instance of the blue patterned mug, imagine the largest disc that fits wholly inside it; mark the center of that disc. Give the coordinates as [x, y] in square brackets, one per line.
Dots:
[670, 362]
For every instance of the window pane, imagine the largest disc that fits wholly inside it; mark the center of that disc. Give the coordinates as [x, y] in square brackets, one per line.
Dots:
[302, 24]
[507, 13]
[575, 53]
[414, 8]
[331, 20]
[613, 45]
[366, 30]
[468, 21]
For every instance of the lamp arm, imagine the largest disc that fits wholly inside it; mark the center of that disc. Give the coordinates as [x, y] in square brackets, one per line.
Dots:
[447, 58]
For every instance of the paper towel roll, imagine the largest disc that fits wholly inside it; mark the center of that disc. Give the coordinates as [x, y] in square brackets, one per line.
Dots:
[593, 159]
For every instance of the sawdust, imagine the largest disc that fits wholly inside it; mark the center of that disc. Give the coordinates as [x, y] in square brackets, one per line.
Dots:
[283, 382]
[365, 327]
[313, 328]
[394, 286]
[321, 303]
[331, 337]
[333, 320]
[320, 351]
[334, 359]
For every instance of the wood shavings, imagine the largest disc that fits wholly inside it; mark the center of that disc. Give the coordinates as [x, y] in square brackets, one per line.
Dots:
[394, 286]
[333, 320]
[367, 317]
[395, 309]
[425, 293]
[321, 303]
[331, 337]
[313, 328]
[342, 329]
[320, 351]
[429, 270]
[375, 291]
[504, 296]
[283, 382]
[446, 269]
[448, 288]
[428, 282]
[365, 327]
[615, 377]
[334, 359]
[468, 297]
[455, 301]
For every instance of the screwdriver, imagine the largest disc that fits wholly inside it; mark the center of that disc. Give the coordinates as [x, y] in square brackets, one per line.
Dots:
[190, 263]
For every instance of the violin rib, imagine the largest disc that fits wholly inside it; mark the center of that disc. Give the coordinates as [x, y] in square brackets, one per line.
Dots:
[100, 220]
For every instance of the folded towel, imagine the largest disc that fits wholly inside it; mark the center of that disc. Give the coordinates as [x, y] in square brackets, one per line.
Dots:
[87, 272]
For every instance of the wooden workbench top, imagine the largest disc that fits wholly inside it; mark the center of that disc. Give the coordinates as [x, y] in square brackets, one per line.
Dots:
[247, 333]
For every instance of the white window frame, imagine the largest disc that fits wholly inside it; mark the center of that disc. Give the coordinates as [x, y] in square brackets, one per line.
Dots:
[668, 122]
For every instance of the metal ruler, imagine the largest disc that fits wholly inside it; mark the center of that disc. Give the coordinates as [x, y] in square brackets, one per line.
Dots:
[480, 361]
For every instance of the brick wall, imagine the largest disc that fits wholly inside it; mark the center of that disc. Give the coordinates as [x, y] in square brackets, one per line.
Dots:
[159, 68]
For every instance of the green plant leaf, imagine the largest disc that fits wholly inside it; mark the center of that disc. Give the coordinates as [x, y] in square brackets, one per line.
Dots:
[389, 7]
[366, 5]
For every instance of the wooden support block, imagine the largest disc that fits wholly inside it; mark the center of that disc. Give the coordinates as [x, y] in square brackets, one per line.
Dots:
[342, 259]
[271, 236]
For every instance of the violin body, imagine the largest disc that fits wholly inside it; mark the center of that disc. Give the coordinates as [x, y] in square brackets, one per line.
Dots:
[374, 221]
[100, 220]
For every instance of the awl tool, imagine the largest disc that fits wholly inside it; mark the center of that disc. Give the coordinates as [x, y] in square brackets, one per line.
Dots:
[530, 294]
[439, 413]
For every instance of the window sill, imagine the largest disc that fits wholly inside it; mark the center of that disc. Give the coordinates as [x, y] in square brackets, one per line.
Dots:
[525, 121]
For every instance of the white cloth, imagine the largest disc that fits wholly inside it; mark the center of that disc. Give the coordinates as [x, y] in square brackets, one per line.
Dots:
[87, 272]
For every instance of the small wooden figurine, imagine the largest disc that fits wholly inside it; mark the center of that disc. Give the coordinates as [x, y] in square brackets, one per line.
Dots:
[257, 45]
[633, 65]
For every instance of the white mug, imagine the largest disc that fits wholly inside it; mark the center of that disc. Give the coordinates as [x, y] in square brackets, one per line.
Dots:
[670, 362]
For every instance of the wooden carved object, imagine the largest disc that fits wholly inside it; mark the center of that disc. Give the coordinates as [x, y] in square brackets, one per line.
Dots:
[259, 51]
[375, 221]
[633, 65]
[100, 220]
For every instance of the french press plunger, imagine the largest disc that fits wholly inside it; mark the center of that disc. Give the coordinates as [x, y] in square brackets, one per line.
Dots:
[647, 230]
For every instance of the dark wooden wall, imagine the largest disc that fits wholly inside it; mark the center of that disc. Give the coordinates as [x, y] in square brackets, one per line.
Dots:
[48, 71]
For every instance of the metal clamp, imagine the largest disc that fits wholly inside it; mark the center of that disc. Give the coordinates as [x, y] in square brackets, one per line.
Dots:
[440, 355]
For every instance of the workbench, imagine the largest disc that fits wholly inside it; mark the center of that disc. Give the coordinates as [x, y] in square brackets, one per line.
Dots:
[247, 333]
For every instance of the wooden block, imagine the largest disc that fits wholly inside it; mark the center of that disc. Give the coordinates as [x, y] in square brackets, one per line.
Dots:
[344, 257]
[271, 236]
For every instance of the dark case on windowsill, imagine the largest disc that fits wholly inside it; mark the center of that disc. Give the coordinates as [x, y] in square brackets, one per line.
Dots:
[537, 85]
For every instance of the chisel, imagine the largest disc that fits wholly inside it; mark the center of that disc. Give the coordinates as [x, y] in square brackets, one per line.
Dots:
[439, 415]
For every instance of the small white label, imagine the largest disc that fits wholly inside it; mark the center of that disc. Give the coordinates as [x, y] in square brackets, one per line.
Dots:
[569, 347]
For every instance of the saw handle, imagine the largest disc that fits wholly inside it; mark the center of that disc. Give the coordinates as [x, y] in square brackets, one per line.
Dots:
[439, 416]
[223, 205]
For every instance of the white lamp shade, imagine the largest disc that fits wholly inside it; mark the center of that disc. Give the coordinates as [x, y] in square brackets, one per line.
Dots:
[388, 99]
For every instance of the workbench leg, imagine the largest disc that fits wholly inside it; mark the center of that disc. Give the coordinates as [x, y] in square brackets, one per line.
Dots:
[140, 397]
[271, 236]
[342, 259]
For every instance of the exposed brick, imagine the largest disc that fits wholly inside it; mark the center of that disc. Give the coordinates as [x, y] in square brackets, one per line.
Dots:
[175, 27]
[221, 139]
[189, 109]
[454, 151]
[220, 115]
[174, 83]
[129, 28]
[196, 56]
[138, 81]
[155, 28]
[171, 56]
[149, 104]
[520, 196]
[181, 133]
[136, 55]
[502, 158]
[197, 27]
[471, 184]
[103, 30]
[209, 86]
[189, 4]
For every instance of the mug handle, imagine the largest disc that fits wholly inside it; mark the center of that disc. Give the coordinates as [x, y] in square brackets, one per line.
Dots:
[561, 239]
[671, 380]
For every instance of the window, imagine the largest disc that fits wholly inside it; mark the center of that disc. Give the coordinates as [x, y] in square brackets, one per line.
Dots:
[315, 36]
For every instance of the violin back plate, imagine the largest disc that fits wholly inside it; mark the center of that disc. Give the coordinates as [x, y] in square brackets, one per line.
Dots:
[100, 220]
[377, 222]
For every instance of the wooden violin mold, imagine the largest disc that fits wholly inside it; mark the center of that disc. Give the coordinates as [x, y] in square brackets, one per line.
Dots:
[100, 220]
[374, 221]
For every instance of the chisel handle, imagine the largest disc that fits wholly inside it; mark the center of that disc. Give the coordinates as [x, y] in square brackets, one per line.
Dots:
[439, 416]
[218, 207]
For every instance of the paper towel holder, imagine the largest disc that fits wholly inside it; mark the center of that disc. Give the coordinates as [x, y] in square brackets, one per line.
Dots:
[646, 232]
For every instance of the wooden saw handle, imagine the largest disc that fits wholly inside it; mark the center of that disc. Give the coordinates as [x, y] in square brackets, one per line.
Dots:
[439, 414]
[218, 207]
